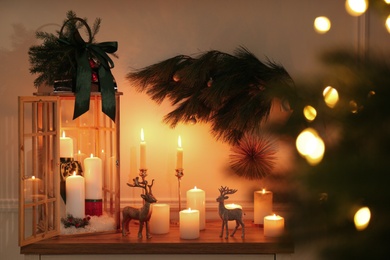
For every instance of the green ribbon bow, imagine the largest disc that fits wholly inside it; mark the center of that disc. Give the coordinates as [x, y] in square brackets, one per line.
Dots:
[85, 50]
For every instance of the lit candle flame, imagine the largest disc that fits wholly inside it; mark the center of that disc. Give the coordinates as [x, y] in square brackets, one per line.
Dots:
[91, 155]
[142, 135]
[263, 191]
[33, 177]
[179, 141]
[63, 133]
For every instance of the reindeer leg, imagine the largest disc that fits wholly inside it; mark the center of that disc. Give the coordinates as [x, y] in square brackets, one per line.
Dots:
[243, 229]
[141, 226]
[223, 225]
[125, 227]
[227, 229]
[148, 236]
[235, 229]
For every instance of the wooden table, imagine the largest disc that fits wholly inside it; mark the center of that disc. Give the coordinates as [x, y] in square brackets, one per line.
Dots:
[209, 242]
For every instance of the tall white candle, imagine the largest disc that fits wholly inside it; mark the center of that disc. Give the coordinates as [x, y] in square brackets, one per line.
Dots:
[232, 223]
[75, 196]
[262, 205]
[93, 178]
[189, 224]
[179, 154]
[273, 226]
[66, 146]
[159, 221]
[196, 200]
[142, 151]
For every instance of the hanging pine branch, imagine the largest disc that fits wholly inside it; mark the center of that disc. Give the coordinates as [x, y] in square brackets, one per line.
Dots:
[232, 92]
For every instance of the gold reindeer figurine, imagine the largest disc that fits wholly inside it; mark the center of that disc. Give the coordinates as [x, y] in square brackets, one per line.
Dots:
[229, 214]
[142, 214]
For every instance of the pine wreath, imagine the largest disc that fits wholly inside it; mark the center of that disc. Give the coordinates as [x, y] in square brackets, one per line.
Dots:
[253, 157]
[232, 92]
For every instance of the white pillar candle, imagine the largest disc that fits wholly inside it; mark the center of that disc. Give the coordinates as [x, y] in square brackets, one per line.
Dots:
[273, 226]
[93, 178]
[189, 224]
[232, 223]
[262, 205]
[179, 154]
[142, 151]
[75, 195]
[196, 200]
[66, 146]
[159, 221]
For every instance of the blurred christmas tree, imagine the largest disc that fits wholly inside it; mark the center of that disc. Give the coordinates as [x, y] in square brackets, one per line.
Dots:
[354, 171]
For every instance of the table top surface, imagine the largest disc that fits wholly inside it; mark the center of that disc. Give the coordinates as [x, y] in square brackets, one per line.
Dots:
[209, 242]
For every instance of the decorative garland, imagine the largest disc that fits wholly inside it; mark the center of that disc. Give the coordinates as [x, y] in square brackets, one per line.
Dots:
[232, 92]
[71, 221]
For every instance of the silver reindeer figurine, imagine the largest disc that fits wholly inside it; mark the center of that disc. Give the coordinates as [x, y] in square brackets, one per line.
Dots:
[229, 214]
[142, 214]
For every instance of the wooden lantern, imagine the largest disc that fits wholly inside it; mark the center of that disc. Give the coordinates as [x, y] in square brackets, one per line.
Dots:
[43, 120]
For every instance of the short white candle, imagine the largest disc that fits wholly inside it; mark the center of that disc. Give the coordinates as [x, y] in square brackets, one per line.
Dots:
[196, 200]
[93, 178]
[142, 151]
[273, 226]
[262, 205]
[232, 223]
[159, 221]
[75, 196]
[179, 154]
[66, 146]
[189, 224]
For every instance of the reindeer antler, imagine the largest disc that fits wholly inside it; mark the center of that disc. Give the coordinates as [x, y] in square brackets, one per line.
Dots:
[142, 184]
[150, 187]
[225, 190]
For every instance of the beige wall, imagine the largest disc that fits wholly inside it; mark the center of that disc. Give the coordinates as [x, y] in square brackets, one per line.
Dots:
[151, 31]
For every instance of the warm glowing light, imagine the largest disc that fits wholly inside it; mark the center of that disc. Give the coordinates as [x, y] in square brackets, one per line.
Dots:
[33, 177]
[387, 1]
[310, 113]
[179, 141]
[311, 146]
[322, 24]
[356, 7]
[362, 218]
[91, 155]
[331, 96]
[354, 106]
[388, 23]
[142, 135]
[63, 133]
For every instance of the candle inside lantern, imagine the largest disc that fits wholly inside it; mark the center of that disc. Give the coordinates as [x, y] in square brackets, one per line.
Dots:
[93, 185]
[189, 224]
[179, 154]
[31, 188]
[159, 221]
[273, 226]
[196, 200]
[232, 223]
[75, 195]
[142, 151]
[262, 205]
[66, 146]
